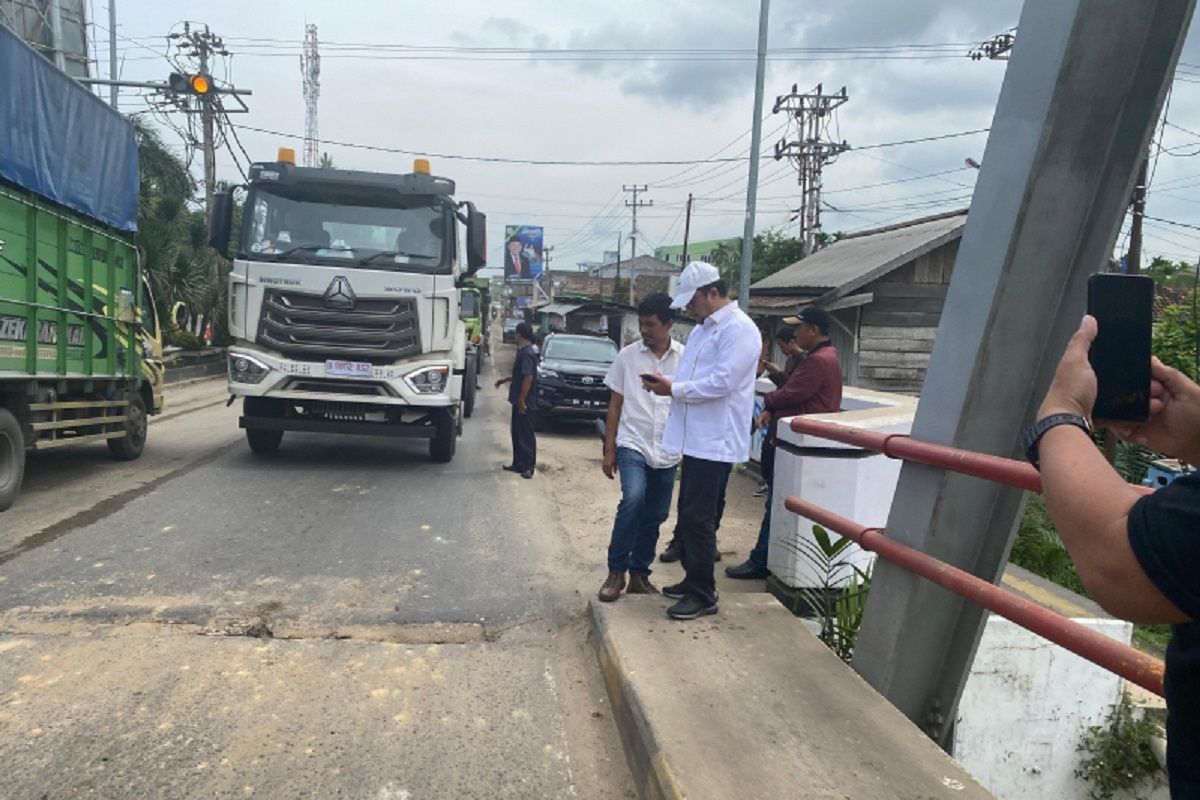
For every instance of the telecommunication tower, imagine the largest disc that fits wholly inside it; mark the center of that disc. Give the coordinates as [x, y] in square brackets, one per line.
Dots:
[310, 68]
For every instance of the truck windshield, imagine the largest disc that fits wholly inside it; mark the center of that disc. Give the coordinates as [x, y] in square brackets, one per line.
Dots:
[364, 229]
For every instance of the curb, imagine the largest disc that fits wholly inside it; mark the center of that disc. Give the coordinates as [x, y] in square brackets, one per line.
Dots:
[651, 772]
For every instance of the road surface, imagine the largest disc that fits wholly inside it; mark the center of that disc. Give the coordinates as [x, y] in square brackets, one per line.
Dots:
[343, 619]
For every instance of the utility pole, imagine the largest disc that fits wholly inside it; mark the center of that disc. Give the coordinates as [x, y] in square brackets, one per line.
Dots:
[112, 52]
[54, 18]
[546, 251]
[635, 204]
[811, 152]
[617, 280]
[1133, 261]
[687, 228]
[764, 12]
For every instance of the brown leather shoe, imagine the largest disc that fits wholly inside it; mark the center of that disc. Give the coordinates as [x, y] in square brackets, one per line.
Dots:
[640, 584]
[612, 587]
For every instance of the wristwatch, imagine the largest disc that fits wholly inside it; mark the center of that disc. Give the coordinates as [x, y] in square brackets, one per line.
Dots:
[1035, 433]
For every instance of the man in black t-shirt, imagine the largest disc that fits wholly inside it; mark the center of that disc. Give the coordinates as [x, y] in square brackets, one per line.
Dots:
[521, 393]
[1136, 554]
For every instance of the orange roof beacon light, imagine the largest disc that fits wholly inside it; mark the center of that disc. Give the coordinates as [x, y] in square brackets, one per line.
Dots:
[421, 166]
[286, 155]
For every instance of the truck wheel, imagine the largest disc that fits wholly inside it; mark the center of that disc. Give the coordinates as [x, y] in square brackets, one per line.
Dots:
[12, 458]
[468, 385]
[129, 447]
[444, 441]
[262, 442]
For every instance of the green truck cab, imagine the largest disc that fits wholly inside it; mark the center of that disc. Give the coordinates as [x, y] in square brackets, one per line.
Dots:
[80, 345]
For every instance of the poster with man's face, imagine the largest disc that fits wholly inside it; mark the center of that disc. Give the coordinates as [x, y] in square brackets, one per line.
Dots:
[522, 253]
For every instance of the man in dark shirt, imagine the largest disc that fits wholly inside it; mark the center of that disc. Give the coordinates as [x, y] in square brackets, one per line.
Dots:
[786, 337]
[813, 387]
[521, 393]
[1136, 554]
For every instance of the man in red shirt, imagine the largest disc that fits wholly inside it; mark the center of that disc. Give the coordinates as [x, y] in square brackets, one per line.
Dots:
[814, 387]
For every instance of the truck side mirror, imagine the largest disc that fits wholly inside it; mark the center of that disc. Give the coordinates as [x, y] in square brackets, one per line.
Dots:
[476, 239]
[221, 223]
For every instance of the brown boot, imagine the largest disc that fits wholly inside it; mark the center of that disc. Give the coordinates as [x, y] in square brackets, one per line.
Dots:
[612, 587]
[640, 584]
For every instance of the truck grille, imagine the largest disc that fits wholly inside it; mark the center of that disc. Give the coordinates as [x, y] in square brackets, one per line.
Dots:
[376, 330]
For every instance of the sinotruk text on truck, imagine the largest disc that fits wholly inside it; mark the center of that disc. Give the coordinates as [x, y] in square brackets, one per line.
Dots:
[344, 303]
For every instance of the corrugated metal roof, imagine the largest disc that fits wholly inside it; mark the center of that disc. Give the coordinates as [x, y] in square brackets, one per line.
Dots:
[852, 259]
[560, 308]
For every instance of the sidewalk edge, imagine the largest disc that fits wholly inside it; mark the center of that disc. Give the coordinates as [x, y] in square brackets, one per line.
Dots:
[651, 772]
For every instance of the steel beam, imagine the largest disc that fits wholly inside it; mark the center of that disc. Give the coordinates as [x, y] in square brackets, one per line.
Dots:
[1080, 99]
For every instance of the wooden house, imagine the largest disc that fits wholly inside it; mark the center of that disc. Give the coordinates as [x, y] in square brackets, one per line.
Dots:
[884, 289]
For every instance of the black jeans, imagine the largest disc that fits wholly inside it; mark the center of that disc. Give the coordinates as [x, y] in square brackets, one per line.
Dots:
[524, 441]
[701, 500]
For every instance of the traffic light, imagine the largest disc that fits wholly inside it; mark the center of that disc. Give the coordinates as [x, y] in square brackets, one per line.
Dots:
[198, 84]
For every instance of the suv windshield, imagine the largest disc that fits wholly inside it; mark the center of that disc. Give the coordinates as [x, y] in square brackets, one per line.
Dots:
[348, 226]
[602, 351]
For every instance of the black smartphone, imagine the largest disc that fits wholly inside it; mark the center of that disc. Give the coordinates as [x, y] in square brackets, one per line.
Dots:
[1123, 306]
[646, 376]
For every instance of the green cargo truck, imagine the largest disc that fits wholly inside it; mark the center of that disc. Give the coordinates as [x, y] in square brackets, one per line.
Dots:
[80, 350]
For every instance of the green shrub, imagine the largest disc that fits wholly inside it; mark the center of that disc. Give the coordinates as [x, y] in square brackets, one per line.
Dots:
[186, 340]
[1118, 755]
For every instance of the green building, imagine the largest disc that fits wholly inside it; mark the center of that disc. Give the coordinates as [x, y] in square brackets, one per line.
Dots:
[697, 251]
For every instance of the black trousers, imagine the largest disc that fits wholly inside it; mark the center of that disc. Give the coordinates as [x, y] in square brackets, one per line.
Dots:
[701, 501]
[524, 440]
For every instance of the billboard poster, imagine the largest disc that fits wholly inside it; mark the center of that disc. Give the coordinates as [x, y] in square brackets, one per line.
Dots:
[522, 253]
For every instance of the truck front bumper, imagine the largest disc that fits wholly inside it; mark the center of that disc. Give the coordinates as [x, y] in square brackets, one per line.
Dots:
[270, 376]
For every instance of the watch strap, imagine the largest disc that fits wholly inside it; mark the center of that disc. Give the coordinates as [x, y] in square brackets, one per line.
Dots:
[1034, 435]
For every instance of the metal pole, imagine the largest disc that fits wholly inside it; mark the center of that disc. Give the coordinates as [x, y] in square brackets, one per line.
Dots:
[1121, 659]
[54, 17]
[617, 280]
[687, 229]
[1134, 260]
[1080, 98]
[113, 90]
[752, 186]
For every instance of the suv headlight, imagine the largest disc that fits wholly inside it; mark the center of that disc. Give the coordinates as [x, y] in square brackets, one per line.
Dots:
[544, 372]
[246, 369]
[429, 380]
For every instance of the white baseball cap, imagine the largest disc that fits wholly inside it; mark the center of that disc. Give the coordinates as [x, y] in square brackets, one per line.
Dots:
[694, 276]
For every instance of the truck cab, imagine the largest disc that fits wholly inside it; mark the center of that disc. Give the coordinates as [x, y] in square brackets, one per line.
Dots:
[344, 303]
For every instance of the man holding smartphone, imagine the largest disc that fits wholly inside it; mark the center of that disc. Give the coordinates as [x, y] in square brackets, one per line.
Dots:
[521, 394]
[633, 448]
[1135, 553]
[712, 400]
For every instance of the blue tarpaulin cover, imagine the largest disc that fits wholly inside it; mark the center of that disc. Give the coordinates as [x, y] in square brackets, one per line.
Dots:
[60, 141]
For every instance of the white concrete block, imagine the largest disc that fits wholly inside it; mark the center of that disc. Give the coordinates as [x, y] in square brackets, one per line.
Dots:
[1026, 704]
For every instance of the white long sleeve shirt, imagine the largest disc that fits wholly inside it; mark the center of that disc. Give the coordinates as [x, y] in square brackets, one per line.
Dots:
[712, 395]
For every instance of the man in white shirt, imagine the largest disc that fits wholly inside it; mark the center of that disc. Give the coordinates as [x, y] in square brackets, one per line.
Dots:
[633, 447]
[712, 401]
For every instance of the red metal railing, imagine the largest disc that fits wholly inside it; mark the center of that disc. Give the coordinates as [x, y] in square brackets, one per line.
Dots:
[1131, 664]
[897, 445]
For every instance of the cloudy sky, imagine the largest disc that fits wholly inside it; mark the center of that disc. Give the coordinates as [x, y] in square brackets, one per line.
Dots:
[425, 76]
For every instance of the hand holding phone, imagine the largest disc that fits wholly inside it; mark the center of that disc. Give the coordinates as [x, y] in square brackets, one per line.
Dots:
[1123, 306]
[648, 377]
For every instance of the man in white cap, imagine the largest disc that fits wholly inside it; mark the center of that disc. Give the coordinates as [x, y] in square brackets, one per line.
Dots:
[712, 401]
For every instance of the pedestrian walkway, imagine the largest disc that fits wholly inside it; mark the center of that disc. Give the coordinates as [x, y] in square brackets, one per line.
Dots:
[749, 704]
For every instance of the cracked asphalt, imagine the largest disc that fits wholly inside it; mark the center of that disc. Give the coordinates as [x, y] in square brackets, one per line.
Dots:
[344, 619]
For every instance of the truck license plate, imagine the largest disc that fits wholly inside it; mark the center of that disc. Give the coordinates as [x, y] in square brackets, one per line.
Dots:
[350, 369]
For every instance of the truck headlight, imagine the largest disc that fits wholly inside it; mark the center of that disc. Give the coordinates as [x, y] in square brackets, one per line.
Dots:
[429, 380]
[245, 369]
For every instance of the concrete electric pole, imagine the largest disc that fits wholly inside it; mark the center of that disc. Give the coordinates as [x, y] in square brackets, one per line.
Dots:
[687, 229]
[113, 90]
[634, 204]
[810, 151]
[764, 12]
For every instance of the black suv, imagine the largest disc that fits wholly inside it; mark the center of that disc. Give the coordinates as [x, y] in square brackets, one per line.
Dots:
[571, 376]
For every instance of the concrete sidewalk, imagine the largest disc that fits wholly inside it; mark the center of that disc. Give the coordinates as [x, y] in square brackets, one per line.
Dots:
[749, 704]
